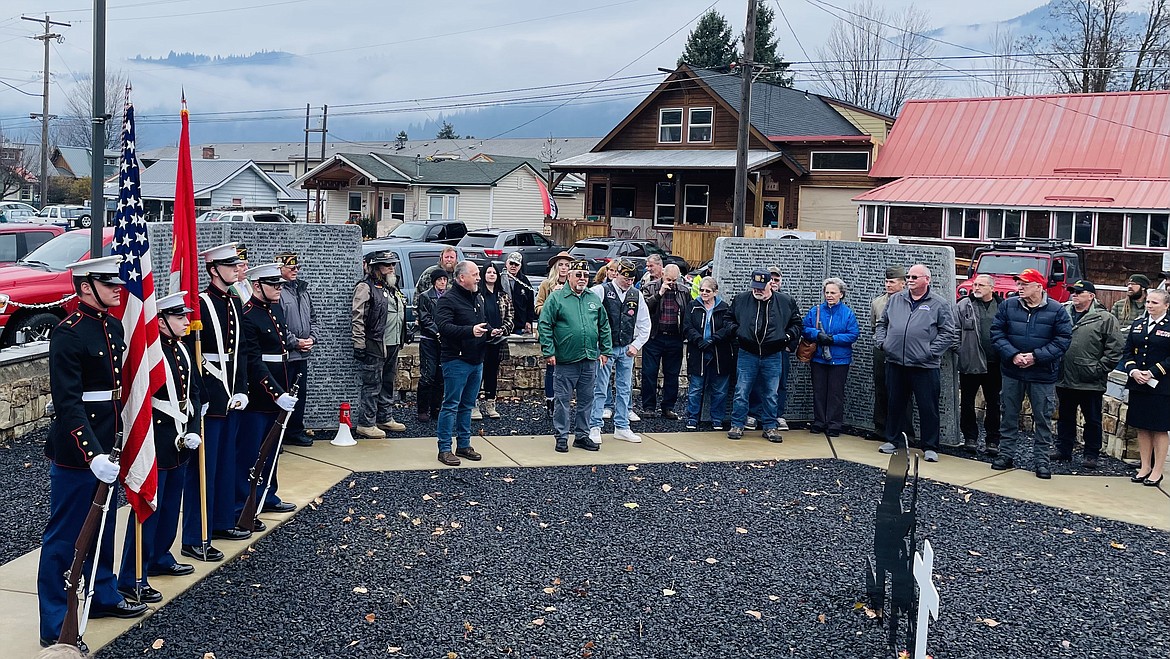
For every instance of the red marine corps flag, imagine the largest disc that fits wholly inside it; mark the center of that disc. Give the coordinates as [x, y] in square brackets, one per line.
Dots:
[185, 262]
[144, 369]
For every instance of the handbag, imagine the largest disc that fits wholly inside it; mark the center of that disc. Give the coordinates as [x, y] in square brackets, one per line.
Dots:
[805, 349]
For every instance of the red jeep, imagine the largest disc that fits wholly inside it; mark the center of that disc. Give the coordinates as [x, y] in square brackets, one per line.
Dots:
[1058, 260]
[32, 290]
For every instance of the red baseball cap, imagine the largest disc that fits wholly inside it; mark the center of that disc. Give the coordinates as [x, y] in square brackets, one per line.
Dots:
[1032, 276]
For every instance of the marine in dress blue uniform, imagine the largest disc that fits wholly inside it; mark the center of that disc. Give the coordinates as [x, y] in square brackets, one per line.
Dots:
[267, 362]
[85, 366]
[225, 386]
[177, 421]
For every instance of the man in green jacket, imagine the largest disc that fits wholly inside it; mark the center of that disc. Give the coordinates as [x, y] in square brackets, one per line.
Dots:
[574, 336]
[1095, 350]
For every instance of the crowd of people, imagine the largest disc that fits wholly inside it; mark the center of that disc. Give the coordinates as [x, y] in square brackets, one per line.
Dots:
[259, 328]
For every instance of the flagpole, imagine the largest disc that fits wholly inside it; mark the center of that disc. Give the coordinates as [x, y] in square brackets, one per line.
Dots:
[202, 452]
[137, 556]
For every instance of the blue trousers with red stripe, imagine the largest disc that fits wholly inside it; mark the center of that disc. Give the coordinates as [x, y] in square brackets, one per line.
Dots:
[158, 531]
[219, 441]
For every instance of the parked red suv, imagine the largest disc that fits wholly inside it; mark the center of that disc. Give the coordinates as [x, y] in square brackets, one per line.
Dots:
[32, 289]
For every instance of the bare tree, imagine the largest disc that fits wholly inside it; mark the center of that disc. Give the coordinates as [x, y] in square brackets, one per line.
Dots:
[17, 166]
[1087, 45]
[878, 59]
[1013, 69]
[1151, 65]
[75, 127]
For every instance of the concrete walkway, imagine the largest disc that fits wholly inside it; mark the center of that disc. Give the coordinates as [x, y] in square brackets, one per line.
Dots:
[308, 472]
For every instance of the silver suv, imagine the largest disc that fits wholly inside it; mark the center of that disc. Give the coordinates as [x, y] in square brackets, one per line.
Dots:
[242, 216]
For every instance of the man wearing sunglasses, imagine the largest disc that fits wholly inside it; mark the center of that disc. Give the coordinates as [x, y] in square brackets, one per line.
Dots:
[303, 331]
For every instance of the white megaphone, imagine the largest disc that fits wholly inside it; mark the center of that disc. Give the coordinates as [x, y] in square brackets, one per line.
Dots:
[344, 437]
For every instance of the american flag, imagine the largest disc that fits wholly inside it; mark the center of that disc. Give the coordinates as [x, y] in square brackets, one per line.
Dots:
[144, 370]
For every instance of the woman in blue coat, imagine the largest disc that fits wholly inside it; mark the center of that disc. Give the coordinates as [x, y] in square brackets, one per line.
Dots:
[833, 326]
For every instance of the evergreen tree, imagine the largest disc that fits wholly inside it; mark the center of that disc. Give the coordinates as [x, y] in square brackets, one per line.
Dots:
[710, 45]
[400, 141]
[766, 46]
[447, 132]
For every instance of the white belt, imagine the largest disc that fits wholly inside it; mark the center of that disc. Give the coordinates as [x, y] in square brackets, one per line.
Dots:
[216, 357]
[273, 358]
[101, 396]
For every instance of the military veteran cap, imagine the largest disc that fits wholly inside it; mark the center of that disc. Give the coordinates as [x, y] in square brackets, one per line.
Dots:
[579, 264]
[516, 257]
[105, 269]
[761, 279]
[1143, 280]
[269, 273]
[242, 251]
[174, 304]
[287, 259]
[895, 272]
[1082, 286]
[626, 268]
[225, 254]
[1031, 276]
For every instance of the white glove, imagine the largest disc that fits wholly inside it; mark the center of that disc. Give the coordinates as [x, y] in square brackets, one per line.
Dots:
[238, 402]
[203, 410]
[286, 402]
[105, 469]
[192, 440]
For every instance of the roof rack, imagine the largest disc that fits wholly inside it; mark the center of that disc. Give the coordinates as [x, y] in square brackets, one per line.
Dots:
[1033, 244]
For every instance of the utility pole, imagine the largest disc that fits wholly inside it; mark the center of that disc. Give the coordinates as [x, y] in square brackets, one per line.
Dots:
[97, 160]
[746, 70]
[45, 101]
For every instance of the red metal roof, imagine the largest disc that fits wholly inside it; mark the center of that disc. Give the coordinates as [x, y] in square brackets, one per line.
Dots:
[1072, 135]
[1024, 192]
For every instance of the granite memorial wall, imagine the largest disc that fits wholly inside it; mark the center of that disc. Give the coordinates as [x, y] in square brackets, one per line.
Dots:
[805, 264]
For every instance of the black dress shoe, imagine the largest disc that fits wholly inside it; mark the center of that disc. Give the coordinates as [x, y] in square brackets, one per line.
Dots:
[1149, 483]
[298, 441]
[1001, 463]
[562, 446]
[146, 594]
[282, 507]
[176, 570]
[468, 453]
[122, 609]
[258, 526]
[46, 642]
[1043, 472]
[196, 551]
[670, 414]
[1140, 478]
[586, 444]
[231, 534]
[1089, 463]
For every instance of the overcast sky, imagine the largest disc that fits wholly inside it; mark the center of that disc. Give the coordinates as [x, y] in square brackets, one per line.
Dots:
[367, 51]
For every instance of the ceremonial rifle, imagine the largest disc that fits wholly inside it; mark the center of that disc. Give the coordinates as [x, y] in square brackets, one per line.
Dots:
[95, 519]
[269, 447]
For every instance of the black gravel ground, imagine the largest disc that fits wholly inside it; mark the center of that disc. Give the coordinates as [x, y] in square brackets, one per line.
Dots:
[708, 560]
[24, 473]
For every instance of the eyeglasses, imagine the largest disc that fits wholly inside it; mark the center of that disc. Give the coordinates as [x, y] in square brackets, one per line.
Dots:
[579, 275]
[706, 290]
[915, 276]
[291, 267]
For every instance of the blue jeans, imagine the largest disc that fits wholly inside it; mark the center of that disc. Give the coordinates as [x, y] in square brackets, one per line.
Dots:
[603, 393]
[753, 372]
[461, 382]
[711, 383]
[781, 390]
[1043, 397]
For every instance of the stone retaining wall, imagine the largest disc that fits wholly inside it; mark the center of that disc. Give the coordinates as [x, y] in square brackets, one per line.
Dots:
[24, 390]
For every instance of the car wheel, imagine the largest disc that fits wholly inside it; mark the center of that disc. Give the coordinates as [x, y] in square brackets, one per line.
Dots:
[85, 222]
[37, 327]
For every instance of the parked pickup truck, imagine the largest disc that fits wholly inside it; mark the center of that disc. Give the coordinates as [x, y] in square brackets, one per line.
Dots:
[1059, 261]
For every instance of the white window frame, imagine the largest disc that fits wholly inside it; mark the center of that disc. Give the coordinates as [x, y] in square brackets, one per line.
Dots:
[388, 206]
[946, 217]
[671, 205]
[875, 220]
[448, 209]
[706, 203]
[1129, 218]
[679, 125]
[1053, 228]
[812, 156]
[709, 125]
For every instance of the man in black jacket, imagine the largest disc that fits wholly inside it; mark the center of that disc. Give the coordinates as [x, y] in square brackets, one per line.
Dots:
[303, 332]
[463, 332]
[668, 301]
[516, 284]
[430, 384]
[768, 322]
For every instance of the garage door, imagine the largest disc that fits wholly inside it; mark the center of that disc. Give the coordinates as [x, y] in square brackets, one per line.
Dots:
[829, 210]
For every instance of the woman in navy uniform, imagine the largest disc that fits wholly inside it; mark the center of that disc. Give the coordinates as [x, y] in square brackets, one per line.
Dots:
[267, 363]
[1146, 360]
[85, 363]
[225, 386]
[177, 422]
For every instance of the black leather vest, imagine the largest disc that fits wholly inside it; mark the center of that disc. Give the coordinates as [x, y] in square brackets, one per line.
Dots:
[623, 314]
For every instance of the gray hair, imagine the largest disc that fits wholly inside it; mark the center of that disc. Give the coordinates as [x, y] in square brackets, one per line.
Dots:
[836, 282]
[464, 267]
[709, 282]
[1159, 292]
[989, 279]
[924, 268]
[672, 269]
[654, 258]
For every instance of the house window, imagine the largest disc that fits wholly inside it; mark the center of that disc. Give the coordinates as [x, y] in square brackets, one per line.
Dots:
[1147, 229]
[1036, 225]
[26, 193]
[840, 161]
[670, 122]
[442, 206]
[394, 207]
[1110, 229]
[875, 220]
[664, 203]
[695, 204]
[700, 124]
[1077, 227]
[622, 202]
[355, 202]
[1004, 223]
[962, 223]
